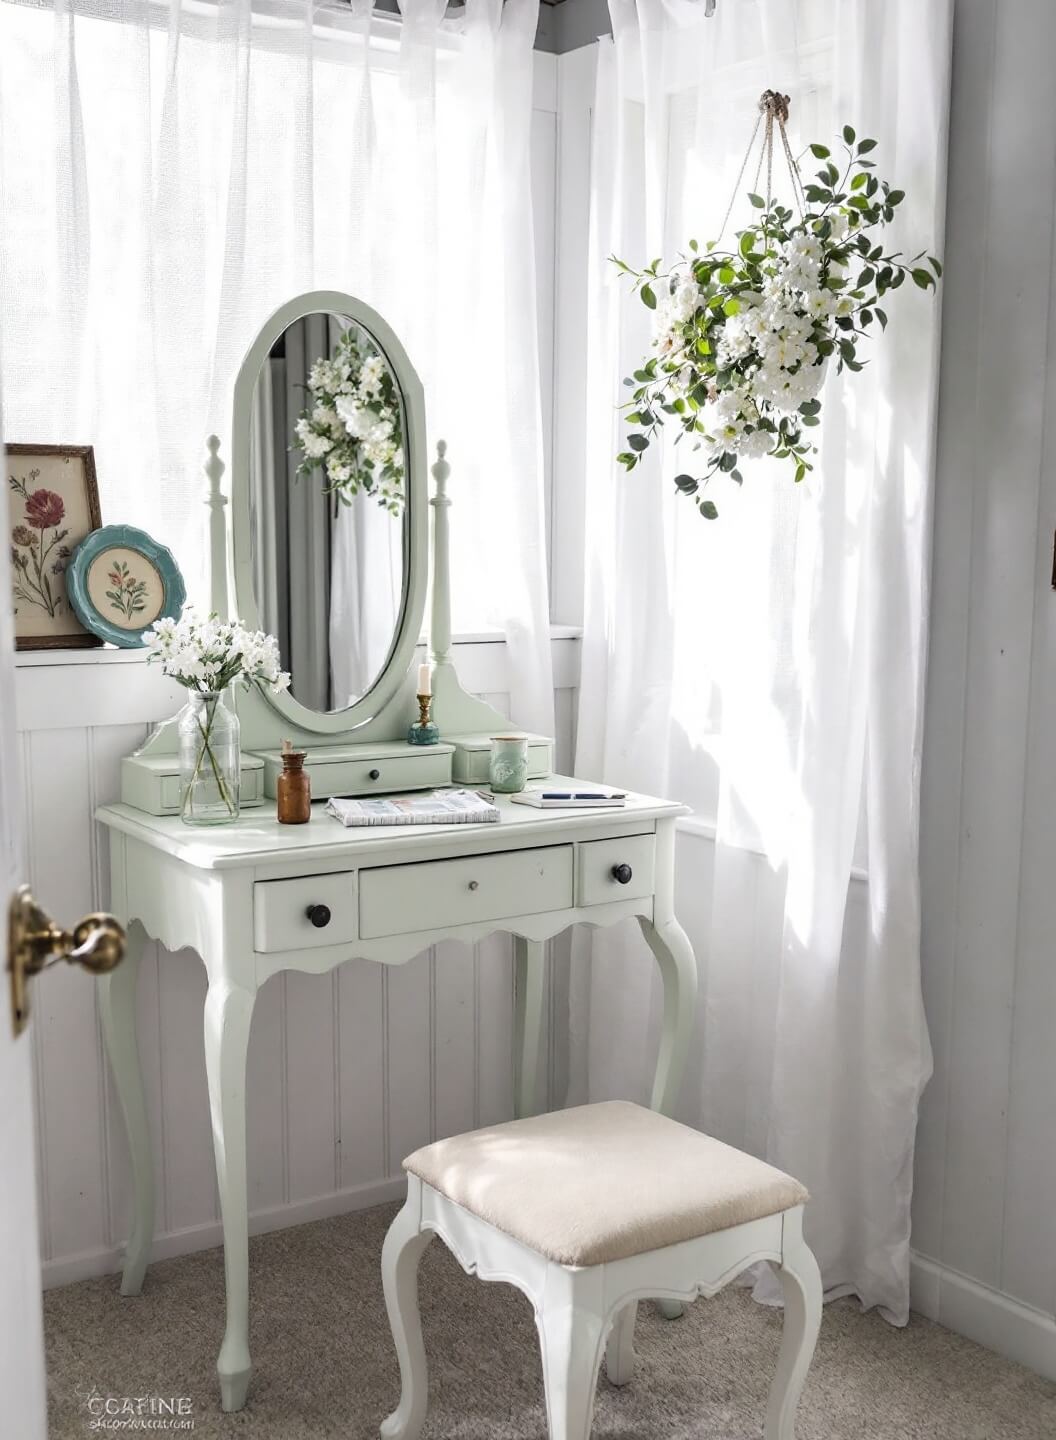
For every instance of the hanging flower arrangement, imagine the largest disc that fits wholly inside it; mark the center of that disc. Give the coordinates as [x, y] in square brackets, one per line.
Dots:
[352, 428]
[743, 339]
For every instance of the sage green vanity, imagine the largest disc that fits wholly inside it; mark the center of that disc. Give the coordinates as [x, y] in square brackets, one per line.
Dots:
[255, 897]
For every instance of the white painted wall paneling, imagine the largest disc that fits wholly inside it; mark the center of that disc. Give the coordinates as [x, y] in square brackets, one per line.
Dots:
[347, 1072]
[985, 1202]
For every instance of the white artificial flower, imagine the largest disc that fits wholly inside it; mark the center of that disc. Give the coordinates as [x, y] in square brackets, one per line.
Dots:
[754, 444]
[737, 337]
[355, 415]
[314, 445]
[800, 272]
[372, 374]
[321, 377]
[819, 304]
[685, 299]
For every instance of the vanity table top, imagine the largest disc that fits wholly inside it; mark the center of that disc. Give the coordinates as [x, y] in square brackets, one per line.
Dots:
[256, 837]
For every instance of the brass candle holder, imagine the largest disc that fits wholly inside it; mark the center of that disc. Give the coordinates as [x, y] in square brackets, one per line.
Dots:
[424, 731]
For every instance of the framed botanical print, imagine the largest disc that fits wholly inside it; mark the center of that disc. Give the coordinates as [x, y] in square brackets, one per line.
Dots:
[53, 503]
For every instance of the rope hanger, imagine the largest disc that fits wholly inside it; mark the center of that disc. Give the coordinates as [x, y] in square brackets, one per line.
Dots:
[773, 108]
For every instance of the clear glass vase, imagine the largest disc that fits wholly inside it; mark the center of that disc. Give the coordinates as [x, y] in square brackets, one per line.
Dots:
[209, 760]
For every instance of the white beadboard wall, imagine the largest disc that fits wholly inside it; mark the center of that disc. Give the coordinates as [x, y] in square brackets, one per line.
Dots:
[347, 1072]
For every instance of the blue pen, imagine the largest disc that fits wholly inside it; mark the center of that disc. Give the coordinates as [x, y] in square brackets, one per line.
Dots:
[582, 795]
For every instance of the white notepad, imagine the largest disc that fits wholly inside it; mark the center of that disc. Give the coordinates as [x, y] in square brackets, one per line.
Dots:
[556, 799]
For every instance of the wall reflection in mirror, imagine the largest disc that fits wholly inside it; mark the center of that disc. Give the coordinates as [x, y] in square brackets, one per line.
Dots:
[328, 515]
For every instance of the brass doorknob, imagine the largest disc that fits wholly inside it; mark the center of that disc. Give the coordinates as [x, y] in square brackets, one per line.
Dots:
[35, 941]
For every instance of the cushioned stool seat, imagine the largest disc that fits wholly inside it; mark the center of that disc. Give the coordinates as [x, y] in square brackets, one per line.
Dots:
[602, 1182]
[587, 1211]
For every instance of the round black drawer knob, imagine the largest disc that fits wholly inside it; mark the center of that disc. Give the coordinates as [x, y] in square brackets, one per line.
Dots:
[622, 874]
[319, 915]
[374, 775]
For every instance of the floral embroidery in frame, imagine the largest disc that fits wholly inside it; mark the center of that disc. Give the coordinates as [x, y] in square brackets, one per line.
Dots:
[39, 559]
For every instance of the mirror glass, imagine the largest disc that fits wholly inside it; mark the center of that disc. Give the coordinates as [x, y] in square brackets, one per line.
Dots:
[327, 502]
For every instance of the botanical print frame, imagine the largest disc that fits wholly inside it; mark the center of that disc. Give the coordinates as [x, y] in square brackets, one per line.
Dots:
[53, 501]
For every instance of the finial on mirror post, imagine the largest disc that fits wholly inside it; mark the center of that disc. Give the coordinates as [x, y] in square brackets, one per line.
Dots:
[216, 500]
[440, 623]
[440, 472]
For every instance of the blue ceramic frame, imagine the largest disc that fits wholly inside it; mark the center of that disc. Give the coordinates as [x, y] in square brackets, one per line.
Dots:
[127, 537]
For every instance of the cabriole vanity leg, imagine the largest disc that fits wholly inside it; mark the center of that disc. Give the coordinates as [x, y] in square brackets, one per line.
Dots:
[117, 1011]
[530, 967]
[228, 1012]
[678, 971]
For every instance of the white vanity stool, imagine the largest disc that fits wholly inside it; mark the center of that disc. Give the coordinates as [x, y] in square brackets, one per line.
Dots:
[587, 1211]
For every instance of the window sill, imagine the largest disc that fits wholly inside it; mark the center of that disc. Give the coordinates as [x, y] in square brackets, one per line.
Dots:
[112, 655]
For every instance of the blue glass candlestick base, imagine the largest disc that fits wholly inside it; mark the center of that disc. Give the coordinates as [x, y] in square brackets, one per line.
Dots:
[423, 731]
[427, 734]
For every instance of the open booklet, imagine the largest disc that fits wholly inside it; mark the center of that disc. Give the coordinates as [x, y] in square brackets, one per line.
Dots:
[424, 807]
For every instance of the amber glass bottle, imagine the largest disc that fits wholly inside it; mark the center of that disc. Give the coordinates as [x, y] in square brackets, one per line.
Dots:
[294, 789]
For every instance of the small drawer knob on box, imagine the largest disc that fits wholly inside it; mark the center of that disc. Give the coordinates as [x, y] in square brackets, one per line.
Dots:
[622, 874]
[474, 884]
[374, 775]
[319, 915]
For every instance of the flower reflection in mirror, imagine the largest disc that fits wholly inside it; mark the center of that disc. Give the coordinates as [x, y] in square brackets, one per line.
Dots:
[351, 429]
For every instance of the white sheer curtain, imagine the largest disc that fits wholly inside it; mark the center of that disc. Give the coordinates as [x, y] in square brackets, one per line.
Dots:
[768, 667]
[172, 173]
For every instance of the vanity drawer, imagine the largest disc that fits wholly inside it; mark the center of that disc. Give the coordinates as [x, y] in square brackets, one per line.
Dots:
[152, 783]
[402, 899]
[386, 768]
[598, 861]
[280, 912]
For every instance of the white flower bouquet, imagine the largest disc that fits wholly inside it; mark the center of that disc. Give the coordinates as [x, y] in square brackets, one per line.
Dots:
[743, 339]
[210, 654]
[352, 427]
[205, 656]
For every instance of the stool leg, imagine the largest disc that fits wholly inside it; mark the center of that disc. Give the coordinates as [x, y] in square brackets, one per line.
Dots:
[801, 1283]
[570, 1336]
[619, 1350]
[403, 1249]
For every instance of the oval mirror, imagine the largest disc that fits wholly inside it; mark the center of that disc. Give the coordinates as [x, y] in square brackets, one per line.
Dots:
[328, 527]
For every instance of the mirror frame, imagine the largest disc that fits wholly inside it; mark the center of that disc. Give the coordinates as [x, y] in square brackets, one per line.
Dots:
[416, 509]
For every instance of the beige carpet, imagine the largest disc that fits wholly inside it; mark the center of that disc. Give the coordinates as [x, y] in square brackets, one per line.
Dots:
[323, 1364]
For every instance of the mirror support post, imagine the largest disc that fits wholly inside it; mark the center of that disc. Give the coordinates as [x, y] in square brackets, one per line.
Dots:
[216, 500]
[440, 620]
